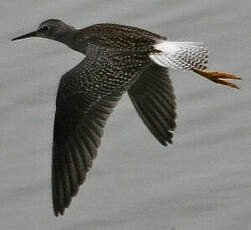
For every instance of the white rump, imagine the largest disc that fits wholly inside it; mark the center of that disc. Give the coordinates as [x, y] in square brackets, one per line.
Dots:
[180, 55]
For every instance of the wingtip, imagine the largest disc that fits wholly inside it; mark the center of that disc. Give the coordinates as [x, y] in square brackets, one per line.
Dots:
[166, 142]
[58, 213]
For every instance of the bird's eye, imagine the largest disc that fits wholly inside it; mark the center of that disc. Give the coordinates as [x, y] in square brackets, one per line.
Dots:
[45, 28]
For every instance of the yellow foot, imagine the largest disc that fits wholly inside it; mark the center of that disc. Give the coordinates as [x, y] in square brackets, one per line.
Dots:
[218, 77]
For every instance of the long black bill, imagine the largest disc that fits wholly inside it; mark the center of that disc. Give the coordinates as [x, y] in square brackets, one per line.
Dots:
[32, 34]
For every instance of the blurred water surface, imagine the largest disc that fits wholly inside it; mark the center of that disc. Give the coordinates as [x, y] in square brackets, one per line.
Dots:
[201, 182]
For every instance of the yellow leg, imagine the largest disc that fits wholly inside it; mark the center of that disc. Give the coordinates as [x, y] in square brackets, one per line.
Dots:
[218, 77]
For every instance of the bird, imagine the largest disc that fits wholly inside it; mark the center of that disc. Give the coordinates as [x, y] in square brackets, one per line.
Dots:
[118, 59]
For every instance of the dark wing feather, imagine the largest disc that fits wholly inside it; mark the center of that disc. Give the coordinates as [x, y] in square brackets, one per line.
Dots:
[153, 98]
[78, 128]
[86, 96]
[85, 99]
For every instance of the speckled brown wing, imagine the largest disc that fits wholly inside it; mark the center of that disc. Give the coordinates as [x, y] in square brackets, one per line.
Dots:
[153, 97]
[77, 133]
[86, 97]
[78, 128]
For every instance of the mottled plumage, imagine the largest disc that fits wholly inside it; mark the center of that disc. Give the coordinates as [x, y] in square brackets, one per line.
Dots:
[118, 59]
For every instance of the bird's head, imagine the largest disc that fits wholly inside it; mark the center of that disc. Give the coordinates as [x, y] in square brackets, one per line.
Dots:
[52, 29]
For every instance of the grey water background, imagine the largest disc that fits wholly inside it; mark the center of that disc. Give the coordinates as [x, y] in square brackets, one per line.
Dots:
[201, 182]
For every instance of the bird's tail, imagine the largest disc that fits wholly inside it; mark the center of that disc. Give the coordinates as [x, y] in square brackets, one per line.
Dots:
[180, 55]
[188, 56]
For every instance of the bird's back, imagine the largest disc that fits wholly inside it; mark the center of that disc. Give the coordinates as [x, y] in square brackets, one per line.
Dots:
[120, 37]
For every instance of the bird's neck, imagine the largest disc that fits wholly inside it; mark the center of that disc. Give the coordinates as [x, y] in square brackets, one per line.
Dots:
[74, 40]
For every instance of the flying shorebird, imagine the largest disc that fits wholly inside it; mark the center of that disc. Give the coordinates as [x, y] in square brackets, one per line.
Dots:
[118, 58]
